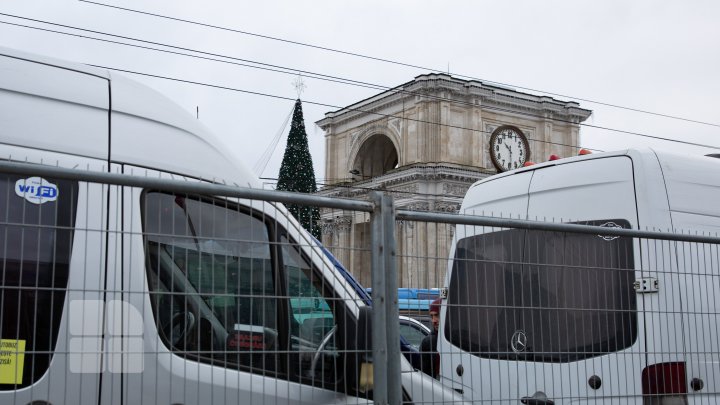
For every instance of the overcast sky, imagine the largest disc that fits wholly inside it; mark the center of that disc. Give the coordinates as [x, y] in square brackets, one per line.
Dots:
[657, 56]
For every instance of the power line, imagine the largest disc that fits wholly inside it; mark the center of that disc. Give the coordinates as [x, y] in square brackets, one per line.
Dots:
[247, 63]
[262, 162]
[324, 77]
[380, 114]
[262, 66]
[398, 63]
[257, 93]
[305, 101]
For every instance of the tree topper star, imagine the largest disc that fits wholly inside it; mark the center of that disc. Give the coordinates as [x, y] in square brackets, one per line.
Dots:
[299, 85]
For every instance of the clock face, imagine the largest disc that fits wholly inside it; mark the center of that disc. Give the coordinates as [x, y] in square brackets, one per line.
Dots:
[509, 148]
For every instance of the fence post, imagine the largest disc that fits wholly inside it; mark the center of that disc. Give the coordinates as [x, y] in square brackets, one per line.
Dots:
[391, 303]
[386, 336]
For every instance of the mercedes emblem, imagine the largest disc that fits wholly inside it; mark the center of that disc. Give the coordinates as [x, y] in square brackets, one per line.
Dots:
[518, 341]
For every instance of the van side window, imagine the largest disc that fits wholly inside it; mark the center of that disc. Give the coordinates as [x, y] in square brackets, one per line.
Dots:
[212, 281]
[35, 244]
[543, 296]
[231, 289]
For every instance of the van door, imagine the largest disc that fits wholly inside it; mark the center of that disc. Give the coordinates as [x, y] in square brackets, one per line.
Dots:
[695, 282]
[53, 248]
[467, 321]
[582, 322]
[233, 308]
[692, 287]
[121, 322]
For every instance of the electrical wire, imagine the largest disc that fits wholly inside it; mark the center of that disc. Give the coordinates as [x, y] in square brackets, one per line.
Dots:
[398, 63]
[245, 62]
[293, 72]
[381, 114]
[267, 95]
[261, 65]
[264, 159]
[339, 80]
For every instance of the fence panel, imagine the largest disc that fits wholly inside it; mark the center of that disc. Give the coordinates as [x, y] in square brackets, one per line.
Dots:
[140, 289]
[145, 290]
[587, 312]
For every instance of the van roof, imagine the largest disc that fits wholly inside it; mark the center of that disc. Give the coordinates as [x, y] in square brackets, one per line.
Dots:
[149, 130]
[539, 166]
[698, 162]
[50, 61]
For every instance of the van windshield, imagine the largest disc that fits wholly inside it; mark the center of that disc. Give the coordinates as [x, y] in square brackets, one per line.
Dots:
[542, 296]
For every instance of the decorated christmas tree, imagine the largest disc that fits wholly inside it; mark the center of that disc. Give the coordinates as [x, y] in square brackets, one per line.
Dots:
[297, 173]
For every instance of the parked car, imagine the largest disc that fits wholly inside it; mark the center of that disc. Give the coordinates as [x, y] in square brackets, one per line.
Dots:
[415, 302]
[408, 349]
[413, 331]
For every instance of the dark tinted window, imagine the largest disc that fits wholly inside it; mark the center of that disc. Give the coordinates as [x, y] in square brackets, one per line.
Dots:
[35, 244]
[542, 296]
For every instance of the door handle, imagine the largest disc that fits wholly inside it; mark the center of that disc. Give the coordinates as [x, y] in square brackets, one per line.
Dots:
[537, 401]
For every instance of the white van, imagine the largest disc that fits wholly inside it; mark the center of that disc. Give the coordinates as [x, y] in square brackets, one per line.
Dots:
[540, 317]
[124, 295]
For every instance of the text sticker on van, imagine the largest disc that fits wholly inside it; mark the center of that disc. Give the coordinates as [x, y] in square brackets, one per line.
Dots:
[12, 360]
[36, 190]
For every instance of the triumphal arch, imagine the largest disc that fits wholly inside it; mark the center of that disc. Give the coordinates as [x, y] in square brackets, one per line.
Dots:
[425, 142]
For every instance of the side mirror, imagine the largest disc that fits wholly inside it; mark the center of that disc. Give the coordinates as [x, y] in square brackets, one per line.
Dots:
[364, 348]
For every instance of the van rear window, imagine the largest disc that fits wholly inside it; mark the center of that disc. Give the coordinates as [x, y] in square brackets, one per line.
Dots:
[36, 232]
[542, 296]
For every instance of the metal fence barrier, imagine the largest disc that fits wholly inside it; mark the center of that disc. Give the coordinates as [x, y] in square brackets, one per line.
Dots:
[120, 288]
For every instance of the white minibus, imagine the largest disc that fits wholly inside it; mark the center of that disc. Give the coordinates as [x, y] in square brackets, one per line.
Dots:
[547, 317]
[115, 294]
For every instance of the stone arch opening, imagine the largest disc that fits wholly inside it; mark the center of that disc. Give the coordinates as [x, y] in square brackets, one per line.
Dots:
[376, 156]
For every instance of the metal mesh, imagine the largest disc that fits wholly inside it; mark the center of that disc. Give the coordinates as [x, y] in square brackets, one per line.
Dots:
[118, 289]
[537, 315]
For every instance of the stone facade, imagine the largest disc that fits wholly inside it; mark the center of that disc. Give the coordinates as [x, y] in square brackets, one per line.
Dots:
[426, 142]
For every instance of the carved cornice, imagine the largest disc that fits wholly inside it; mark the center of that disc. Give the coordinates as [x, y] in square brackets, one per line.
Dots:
[416, 206]
[442, 87]
[406, 181]
[336, 224]
[455, 189]
[447, 207]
